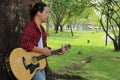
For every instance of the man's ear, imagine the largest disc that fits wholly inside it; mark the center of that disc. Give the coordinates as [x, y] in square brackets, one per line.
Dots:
[39, 13]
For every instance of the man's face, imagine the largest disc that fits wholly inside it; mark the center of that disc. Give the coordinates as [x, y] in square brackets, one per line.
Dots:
[44, 14]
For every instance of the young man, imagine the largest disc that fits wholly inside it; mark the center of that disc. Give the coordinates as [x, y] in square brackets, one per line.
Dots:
[34, 36]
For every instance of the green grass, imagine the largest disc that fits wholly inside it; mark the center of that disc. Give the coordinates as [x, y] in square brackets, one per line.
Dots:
[104, 65]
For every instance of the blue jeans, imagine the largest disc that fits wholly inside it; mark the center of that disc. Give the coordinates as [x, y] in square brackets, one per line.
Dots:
[39, 75]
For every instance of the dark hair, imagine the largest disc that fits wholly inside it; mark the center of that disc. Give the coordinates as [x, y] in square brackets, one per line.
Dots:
[35, 8]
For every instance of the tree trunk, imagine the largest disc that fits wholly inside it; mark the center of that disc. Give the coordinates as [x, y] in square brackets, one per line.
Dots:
[71, 30]
[61, 28]
[56, 28]
[116, 46]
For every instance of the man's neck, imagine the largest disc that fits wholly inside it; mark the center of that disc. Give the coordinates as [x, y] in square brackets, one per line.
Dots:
[38, 21]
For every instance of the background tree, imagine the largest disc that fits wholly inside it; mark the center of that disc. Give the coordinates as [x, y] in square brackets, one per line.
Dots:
[110, 13]
[58, 12]
[65, 10]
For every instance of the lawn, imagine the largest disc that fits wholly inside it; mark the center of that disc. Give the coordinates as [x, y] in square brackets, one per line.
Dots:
[105, 63]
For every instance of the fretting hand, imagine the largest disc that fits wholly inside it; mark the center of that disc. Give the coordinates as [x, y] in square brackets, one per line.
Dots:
[62, 50]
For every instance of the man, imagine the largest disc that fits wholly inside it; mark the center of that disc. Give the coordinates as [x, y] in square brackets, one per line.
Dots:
[34, 35]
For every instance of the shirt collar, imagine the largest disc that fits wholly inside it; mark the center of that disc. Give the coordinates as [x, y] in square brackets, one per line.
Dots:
[35, 23]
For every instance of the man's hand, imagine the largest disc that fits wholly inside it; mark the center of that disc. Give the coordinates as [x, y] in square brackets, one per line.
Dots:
[45, 51]
[62, 50]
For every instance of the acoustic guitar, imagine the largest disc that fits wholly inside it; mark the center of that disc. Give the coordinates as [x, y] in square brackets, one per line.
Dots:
[24, 64]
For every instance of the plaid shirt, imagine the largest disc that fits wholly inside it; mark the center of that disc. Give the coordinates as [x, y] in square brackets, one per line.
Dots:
[31, 36]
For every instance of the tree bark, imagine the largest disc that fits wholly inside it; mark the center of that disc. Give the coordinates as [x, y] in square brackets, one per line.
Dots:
[14, 14]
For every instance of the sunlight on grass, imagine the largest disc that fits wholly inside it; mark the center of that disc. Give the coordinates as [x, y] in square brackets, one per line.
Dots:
[105, 64]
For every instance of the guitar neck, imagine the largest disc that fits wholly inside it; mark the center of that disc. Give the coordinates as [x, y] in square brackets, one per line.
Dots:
[56, 51]
[52, 53]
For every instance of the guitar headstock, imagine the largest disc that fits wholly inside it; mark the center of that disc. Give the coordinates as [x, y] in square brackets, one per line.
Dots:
[67, 46]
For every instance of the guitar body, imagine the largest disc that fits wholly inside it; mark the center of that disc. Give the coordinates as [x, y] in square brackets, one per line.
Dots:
[24, 65]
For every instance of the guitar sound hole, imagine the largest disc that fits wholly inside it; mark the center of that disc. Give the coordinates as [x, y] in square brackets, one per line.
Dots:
[34, 60]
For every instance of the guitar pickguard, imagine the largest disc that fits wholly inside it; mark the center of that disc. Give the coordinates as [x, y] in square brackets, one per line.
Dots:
[31, 67]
